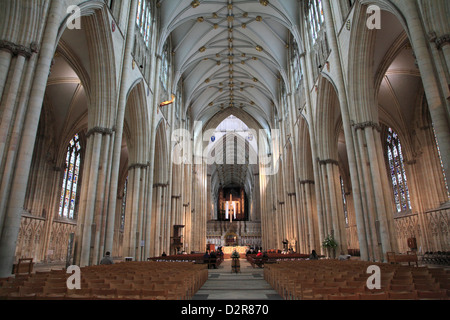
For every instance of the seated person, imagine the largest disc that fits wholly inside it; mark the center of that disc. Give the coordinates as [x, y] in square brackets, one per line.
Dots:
[313, 255]
[213, 259]
[206, 257]
[107, 259]
[259, 255]
[344, 257]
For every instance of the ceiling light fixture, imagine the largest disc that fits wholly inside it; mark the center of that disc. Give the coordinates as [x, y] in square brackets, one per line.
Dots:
[169, 102]
[195, 3]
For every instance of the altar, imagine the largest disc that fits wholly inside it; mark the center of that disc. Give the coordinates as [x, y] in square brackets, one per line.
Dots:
[227, 251]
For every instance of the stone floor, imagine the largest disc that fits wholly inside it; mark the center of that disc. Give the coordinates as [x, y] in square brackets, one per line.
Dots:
[248, 284]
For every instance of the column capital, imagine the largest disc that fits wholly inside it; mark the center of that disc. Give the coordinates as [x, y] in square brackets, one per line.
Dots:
[291, 194]
[19, 50]
[328, 161]
[160, 185]
[368, 124]
[138, 166]
[442, 41]
[100, 130]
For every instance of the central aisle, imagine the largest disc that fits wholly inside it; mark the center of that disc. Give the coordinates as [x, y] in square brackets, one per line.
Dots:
[249, 284]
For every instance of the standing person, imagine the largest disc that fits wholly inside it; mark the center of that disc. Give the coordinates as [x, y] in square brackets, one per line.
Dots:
[235, 264]
[107, 259]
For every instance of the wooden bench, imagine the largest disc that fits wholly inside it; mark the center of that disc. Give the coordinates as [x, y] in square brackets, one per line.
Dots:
[410, 257]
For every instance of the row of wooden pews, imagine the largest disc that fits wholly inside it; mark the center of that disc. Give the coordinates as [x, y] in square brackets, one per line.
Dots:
[347, 280]
[122, 281]
[194, 258]
[259, 262]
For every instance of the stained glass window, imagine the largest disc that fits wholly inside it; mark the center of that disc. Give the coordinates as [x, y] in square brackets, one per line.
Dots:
[67, 203]
[124, 205]
[440, 159]
[165, 68]
[315, 17]
[144, 20]
[397, 172]
[296, 65]
[344, 200]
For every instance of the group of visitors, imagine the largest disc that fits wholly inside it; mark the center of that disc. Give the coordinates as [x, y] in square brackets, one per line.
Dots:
[211, 258]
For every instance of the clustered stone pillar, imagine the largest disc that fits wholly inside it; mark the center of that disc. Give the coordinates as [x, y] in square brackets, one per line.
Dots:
[91, 226]
[437, 104]
[23, 113]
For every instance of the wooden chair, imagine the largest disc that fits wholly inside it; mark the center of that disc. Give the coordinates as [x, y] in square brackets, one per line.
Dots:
[426, 286]
[128, 294]
[103, 294]
[52, 294]
[343, 297]
[121, 286]
[153, 294]
[80, 294]
[352, 290]
[432, 295]
[6, 291]
[373, 296]
[393, 295]
[322, 293]
[401, 287]
[99, 285]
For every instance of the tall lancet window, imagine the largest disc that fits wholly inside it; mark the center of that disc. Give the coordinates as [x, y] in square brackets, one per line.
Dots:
[397, 172]
[67, 203]
[315, 17]
[124, 206]
[344, 200]
[440, 160]
[296, 65]
[165, 67]
[144, 20]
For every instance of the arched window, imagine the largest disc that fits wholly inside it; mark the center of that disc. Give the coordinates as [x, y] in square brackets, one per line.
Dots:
[144, 20]
[397, 172]
[69, 188]
[315, 17]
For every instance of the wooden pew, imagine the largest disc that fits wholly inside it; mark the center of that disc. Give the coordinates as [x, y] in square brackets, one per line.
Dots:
[411, 257]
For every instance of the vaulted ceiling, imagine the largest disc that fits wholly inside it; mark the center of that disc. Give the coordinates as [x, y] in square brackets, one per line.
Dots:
[230, 53]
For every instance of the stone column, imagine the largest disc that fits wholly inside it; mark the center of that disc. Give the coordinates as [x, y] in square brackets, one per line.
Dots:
[443, 43]
[100, 199]
[117, 144]
[12, 215]
[9, 103]
[437, 105]
[89, 201]
[335, 60]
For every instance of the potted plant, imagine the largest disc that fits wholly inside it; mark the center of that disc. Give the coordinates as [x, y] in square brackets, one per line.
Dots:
[330, 245]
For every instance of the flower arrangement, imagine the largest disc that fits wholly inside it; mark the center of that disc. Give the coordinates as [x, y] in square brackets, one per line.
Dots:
[329, 242]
